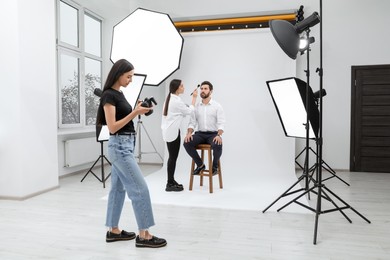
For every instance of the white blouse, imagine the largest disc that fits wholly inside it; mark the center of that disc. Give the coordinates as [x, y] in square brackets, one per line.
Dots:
[170, 124]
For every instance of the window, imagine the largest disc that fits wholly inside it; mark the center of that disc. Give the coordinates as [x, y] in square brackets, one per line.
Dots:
[79, 46]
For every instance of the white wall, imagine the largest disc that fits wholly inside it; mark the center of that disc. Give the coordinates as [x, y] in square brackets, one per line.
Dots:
[355, 33]
[28, 133]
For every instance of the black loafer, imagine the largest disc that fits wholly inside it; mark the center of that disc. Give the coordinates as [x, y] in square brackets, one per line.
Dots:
[173, 187]
[124, 235]
[177, 184]
[215, 170]
[154, 242]
[199, 169]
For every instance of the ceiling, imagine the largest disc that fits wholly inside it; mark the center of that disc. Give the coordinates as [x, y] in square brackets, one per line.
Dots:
[108, 8]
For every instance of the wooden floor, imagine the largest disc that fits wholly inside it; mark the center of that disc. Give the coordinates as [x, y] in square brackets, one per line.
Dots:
[68, 223]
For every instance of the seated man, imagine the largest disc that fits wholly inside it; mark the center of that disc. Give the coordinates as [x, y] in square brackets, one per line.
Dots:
[210, 119]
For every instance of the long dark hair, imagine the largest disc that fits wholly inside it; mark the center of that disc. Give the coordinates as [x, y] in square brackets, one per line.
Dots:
[118, 69]
[173, 87]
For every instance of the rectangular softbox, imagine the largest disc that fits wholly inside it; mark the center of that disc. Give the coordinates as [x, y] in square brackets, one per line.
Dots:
[289, 97]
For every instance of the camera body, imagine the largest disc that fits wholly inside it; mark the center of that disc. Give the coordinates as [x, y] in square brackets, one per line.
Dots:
[148, 103]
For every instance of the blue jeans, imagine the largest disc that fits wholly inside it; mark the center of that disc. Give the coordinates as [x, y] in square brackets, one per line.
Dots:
[126, 176]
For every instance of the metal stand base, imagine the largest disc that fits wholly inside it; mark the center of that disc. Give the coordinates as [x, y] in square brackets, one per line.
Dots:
[102, 157]
[322, 192]
[324, 166]
[141, 126]
[288, 192]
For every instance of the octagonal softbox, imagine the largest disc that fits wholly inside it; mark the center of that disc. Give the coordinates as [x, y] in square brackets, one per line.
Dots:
[151, 42]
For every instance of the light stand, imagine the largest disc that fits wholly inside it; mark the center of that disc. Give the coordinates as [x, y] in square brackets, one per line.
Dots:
[324, 166]
[308, 134]
[306, 168]
[287, 37]
[139, 127]
[101, 139]
[322, 189]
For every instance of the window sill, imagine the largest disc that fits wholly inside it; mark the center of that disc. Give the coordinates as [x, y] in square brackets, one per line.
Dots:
[76, 131]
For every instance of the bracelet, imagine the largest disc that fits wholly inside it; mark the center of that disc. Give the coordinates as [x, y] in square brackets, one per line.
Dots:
[220, 136]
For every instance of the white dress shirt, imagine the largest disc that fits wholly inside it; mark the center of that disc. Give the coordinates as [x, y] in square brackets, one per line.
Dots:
[209, 117]
[170, 124]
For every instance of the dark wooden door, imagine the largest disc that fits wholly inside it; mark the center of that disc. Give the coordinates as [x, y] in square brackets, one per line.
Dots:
[370, 119]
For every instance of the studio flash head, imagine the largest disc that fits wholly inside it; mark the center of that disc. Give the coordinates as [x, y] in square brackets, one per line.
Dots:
[148, 103]
[98, 92]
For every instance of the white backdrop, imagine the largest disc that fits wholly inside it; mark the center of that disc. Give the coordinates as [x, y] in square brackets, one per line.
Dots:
[258, 159]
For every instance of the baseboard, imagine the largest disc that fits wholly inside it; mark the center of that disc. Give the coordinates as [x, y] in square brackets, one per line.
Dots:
[29, 195]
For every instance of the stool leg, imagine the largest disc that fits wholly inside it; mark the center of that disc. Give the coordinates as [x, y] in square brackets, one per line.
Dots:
[210, 171]
[201, 173]
[191, 175]
[220, 174]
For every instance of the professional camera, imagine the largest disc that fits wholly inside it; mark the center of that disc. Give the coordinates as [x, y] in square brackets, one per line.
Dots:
[148, 103]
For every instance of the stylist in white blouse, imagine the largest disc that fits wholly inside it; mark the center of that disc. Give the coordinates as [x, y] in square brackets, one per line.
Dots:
[174, 111]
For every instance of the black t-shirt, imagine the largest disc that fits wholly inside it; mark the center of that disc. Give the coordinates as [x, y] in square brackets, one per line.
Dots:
[122, 108]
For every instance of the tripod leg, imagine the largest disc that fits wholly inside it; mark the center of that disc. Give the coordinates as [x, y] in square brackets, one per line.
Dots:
[338, 208]
[285, 193]
[109, 164]
[90, 170]
[296, 159]
[138, 130]
[329, 169]
[102, 171]
[318, 212]
[348, 206]
[294, 200]
[312, 171]
[154, 147]
[139, 138]
[334, 175]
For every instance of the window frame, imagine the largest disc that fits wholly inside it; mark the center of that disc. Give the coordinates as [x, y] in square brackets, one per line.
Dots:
[80, 53]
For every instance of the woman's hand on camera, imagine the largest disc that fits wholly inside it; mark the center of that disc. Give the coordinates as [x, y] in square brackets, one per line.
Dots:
[140, 110]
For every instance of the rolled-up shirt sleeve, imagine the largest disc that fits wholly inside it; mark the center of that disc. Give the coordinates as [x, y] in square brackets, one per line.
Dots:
[183, 109]
[192, 124]
[221, 118]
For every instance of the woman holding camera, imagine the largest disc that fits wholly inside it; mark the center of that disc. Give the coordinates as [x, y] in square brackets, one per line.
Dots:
[126, 176]
[174, 112]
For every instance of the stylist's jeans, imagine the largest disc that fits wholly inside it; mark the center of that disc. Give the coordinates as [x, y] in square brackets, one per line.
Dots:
[126, 177]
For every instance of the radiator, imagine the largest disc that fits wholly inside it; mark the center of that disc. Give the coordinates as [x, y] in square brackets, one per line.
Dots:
[81, 151]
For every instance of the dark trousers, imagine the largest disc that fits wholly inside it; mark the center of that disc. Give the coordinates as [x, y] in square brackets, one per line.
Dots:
[173, 150]
[204, 138]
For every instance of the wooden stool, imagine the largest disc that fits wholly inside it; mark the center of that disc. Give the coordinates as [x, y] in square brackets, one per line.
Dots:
[207, 172]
